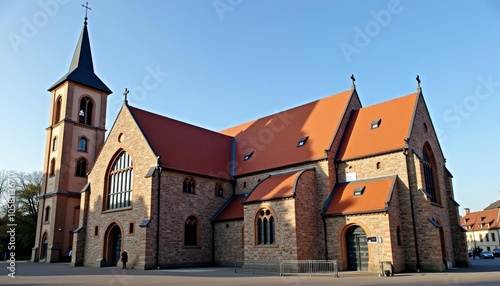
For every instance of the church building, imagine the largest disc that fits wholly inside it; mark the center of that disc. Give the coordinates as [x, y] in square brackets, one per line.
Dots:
[320, 181]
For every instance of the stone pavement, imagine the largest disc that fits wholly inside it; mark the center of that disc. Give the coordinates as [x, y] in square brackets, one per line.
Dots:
[482, 272]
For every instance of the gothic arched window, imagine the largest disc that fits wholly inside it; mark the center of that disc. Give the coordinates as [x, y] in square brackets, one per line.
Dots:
[57, 111]
[430, 176]
[54, 144]
[81, 168]
[120, 182]
[266, 229]
[191, 231]
[52, 168]
[85, 113]
[47, 214]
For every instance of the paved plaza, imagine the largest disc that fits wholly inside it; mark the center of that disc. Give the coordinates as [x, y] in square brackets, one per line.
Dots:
[482, 272]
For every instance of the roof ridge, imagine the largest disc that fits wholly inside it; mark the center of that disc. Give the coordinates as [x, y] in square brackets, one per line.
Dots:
[286, 110]
[390, 100]
[175, 120]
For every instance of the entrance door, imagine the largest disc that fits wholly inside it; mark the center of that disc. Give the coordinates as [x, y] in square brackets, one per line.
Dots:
[113, 245]
[357, 249]
[117, 245]
[45, 246]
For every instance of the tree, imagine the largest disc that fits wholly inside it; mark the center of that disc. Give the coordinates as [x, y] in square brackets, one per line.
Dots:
[20, 193]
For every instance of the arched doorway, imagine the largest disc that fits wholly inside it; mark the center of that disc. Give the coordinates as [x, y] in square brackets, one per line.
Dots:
[113, 245]
[45, 247]
[357, 249]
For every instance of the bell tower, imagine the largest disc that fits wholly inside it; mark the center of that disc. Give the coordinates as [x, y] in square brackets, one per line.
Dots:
[75, 136]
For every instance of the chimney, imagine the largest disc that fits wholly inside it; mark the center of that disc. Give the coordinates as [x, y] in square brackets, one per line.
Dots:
[467, 211]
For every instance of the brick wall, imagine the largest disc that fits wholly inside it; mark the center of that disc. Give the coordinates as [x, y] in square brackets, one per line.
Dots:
[228, 242]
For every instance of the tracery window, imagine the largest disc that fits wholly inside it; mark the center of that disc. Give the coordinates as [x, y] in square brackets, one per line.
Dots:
[81, 168]
[120, 179]
[188, 185]
[191, 231]
[85, 113]
[266, 229]
[430, 176]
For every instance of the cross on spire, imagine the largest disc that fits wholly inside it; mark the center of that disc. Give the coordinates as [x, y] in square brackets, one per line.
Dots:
[125, 94]
[353, 80]
[418, 82]
[87, 8]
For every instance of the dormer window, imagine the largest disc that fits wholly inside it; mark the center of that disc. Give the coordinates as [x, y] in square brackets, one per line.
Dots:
[247, 156]
[376, 123]
[302, 141]
[358, 191]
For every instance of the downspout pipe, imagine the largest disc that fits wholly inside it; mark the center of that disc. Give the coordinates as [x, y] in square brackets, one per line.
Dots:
[326, 236]
[407, 152]
[158, 189]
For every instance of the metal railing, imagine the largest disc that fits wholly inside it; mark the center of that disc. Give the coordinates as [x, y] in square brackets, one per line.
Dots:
[287, 267]
[309, 267]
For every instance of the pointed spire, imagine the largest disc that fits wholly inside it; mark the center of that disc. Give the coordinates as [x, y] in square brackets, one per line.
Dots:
[81, 69]
[82, 58]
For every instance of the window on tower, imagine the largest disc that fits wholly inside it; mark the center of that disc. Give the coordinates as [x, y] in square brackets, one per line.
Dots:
[82, 144]
[54, 144]
[52, 168]
[85, 113]
[120, 177]
[57, 112]
[81, 168]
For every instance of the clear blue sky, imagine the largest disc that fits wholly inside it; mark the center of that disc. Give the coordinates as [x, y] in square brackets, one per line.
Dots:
[220, 63]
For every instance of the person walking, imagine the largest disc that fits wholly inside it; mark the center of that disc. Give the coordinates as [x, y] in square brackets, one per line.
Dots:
[124, 258]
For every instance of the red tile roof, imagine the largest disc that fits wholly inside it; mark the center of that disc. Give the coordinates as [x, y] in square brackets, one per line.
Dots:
[185, 147]
[376, 195]
[274, 138]
[275, 186]
[474, 220]
[396, 118]
[232, 210]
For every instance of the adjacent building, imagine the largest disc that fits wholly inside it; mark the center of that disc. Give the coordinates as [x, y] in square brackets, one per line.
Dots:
[483, 227]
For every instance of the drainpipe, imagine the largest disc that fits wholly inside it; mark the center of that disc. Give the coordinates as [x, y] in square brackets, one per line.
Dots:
[406, 152]
[326, 240]
[213, 241]
[158, 189]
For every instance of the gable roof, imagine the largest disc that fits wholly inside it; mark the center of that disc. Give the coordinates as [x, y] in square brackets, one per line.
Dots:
[375, 198]
[185, 147]
[494, 205]
[395, 117]
[481, 220]
[276, 186]
[274, 138]
[232, 210]
[81, 69]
